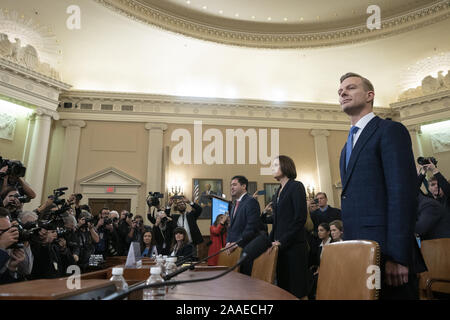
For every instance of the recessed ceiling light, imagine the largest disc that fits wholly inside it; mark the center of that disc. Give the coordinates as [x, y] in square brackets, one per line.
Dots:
[253, 17]
[285, 19]
[269, 18]
[205, 7]
[220, 11]
[236, 15]
[301, 19]
[188, 2]
[318, 17]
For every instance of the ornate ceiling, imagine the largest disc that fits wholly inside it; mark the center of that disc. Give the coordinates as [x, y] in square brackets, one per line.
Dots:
[282, 23]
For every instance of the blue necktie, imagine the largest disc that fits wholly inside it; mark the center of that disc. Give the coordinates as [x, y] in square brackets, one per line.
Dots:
[349, 147]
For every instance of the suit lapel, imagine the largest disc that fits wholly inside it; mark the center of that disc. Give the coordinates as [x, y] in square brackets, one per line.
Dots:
[238, 208]
[342, 164]
[368, 131]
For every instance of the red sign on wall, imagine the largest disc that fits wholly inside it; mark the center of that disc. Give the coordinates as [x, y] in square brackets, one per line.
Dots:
[110, 190]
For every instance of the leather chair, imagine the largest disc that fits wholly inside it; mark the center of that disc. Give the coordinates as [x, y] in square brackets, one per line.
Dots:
[229, 260]
[347, 271]
[436, 254]
[265, 266]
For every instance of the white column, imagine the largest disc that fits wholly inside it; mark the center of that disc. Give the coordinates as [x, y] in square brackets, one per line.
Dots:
[415, 133]
[155, 156]
[70, 153]
[38, 154]
[323, 163]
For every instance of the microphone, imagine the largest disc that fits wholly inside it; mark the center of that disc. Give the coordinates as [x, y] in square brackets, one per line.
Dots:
[252, 251]
[192, 266]
[186, 258]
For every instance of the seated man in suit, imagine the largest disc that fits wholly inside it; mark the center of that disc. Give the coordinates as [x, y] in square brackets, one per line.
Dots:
[325, 213]
[245, 220]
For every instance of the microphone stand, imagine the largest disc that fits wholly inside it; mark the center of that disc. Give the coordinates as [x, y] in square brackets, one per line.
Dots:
[192, 266]
[123, 294]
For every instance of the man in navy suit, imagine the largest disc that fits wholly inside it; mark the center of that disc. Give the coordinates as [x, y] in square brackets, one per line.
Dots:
[379, 188]
[244, 218]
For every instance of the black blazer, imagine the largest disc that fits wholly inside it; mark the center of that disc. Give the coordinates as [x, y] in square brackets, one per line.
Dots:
[185, 251]
[433, 220]
[245, 224]
[289, 215]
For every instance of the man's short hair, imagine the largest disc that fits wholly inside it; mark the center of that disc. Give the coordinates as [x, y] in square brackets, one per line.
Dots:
[242, 180]
[433, 178]
[324, 194]
[85, 207]
[104, 208]
[368, 86]
[287, 167]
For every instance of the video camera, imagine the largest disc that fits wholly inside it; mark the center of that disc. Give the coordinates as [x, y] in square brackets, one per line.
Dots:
[22, 199]
[15, 168]
[426, 160]
[153, 199]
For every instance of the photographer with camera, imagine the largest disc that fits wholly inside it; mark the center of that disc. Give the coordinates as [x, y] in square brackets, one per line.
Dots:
[11, 202]
[12, 174]
[185, 214]
[10, 258]
[87, 238]
[27, 218]
[438, 186]
[136, 231]
[124, 228]
[108, 235]
[163, 229]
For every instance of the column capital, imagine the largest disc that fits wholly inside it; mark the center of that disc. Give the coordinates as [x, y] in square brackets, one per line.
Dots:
[73, 123]
[415, 128]
[46, 112]
[319, 133]
[156, 126]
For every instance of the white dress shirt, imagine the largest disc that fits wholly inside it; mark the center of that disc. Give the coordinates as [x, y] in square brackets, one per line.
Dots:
[361, 124]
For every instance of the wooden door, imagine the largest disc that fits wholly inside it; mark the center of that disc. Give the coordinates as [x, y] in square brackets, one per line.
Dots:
[112, 204]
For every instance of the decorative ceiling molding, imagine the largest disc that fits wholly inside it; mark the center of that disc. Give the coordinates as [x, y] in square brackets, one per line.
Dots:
[28, 86]
[154, 16]
[425, 109]
[184, 110]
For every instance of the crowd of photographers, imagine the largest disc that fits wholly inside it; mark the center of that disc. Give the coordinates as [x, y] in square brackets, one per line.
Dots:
[61, 232]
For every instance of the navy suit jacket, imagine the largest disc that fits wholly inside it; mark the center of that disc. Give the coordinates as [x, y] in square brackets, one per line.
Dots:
[379, 192]
[245, 223]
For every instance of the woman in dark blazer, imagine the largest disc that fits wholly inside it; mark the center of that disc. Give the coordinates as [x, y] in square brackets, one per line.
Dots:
[181, 247]
[288, 233]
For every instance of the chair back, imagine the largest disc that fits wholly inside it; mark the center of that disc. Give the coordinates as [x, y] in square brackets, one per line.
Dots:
[349, 270]
[436, 254]
[265, 266]
[229, 260]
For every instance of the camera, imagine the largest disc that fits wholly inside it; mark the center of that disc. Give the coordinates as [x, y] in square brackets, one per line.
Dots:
[58, 193]
[424, 161]
[128, 215]
[22, 199]
[78, 196]
[15, 168]
[108, 221]
[153, 199]
[26, 232]
[316, 201]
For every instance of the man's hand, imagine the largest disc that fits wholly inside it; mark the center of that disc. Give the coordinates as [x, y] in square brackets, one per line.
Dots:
[396, 274]
[232, 245]
[268, 208]
[8, 238]
[76, 258]
[186, 200]
[100, 222]
[431, 167]
[171, 199]
[4, 169]
[17, 256]
[255, 195]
